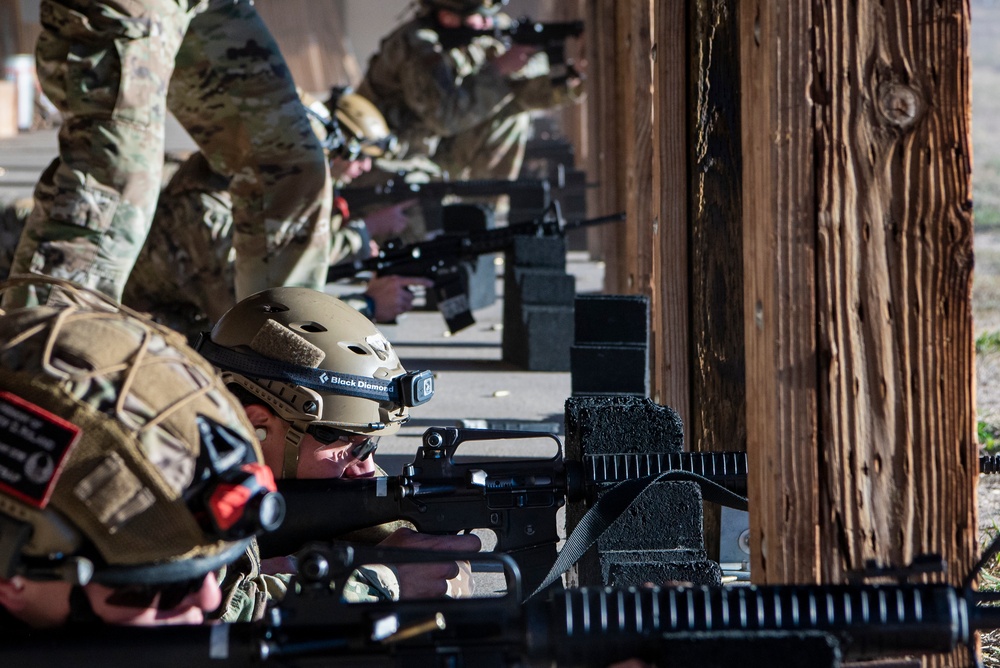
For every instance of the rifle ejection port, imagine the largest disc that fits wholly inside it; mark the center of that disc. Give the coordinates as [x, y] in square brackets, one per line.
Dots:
[477, 478]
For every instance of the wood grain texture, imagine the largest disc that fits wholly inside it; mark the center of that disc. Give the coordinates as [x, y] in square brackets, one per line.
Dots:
[718, 366]
[779, 295]
[894, 284]
[667, 230]
[605, 162]
[858, 251]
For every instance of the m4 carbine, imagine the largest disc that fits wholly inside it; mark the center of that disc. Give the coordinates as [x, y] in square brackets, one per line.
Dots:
[440, 258]
[675, 626]
[516, 499]
[395, 191]
[550, 37]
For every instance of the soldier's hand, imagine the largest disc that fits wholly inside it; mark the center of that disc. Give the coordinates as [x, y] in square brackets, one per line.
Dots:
[389, 222]
[431, 580]
[514, 59]
[392, 295]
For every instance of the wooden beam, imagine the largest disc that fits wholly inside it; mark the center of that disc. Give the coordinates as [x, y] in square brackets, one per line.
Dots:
[718, 365]
[779, 293]
[858, 265]
[666, 229]
[605, 163]
[634, 70]
[894, 284]
[10, 28]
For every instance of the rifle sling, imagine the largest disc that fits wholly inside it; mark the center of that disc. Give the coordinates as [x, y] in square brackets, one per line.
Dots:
[614, 502]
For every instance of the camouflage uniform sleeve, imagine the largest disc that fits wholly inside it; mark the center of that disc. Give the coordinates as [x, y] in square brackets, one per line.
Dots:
[453, 90]
[245, 590]
[381, 579]
[534, 89]
[247, 602]
[349, 241]
[371, 583]
[442, 91]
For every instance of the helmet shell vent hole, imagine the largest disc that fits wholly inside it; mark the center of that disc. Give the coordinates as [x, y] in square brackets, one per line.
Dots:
[312, 327]
[357, 350]
[273, 308]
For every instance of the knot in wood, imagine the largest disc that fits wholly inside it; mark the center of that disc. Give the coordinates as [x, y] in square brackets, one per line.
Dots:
[901, 105]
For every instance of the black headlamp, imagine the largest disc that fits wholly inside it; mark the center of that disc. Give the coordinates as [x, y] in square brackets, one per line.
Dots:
[412, 388]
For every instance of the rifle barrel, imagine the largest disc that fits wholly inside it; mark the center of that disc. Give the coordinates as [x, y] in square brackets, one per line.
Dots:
[577, 627]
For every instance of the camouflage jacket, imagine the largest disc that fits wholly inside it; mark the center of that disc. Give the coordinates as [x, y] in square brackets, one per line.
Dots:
[427, 91]
[247, 591]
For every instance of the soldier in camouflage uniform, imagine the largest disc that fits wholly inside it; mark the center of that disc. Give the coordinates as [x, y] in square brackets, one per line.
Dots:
[465, 106]
[322, 430]
[114, 68]
[118, 441]
[185, 273]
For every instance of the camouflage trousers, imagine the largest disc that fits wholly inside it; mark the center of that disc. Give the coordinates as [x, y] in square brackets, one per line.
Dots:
[492, 150]
[114, 68]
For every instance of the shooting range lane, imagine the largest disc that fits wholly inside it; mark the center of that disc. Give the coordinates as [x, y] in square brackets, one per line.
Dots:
[473, 386]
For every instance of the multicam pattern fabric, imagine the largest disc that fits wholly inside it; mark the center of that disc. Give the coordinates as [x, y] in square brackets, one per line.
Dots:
[184, 276]
[246, 591]
[137, 393]
[453, 106]
[113, 68]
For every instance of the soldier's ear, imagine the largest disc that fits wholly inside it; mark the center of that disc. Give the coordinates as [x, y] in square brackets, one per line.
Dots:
[12, 594]
[260, 416]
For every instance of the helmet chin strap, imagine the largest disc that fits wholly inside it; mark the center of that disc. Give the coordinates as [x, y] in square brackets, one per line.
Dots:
[80, 610]
[290, 465]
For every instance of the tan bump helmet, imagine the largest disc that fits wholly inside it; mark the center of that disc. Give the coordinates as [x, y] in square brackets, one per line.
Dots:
[364, 123]
[349, 375]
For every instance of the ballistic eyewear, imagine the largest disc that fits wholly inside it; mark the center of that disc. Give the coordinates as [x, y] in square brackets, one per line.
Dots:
[362, 447]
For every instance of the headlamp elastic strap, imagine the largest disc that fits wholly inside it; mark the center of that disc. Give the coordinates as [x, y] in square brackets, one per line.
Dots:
[410, 389]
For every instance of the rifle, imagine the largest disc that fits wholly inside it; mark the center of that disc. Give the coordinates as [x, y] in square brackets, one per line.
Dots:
[440, 258]
[312, 626]
[517, 499]
[736, 467]
[396, 191]
[550, 37]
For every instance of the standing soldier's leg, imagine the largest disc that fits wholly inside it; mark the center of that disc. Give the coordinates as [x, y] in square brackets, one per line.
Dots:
[105, 65]
[234, 94]
[184, 275]
[491, 150]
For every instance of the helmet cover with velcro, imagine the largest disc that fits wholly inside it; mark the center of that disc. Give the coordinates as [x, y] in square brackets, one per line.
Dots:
[313, 358]
[123, 457]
